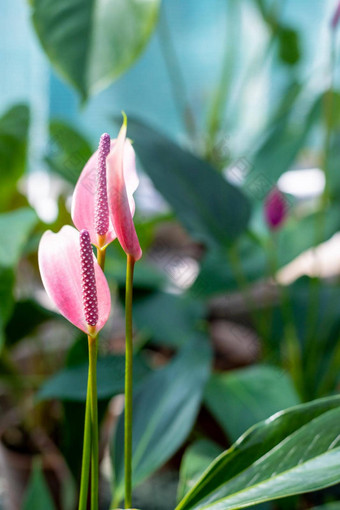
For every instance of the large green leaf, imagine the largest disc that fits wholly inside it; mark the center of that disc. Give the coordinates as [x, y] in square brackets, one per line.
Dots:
[37, 494]
[91, 42]
[165, 408]
[196, 459]
[292, 452]
[241, 398]
[211, 209]
[167, 319]
[71, 382]
[15, 228]
[13, 146]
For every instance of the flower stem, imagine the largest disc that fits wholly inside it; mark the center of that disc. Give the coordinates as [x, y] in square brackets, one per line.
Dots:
[128, 382]
[93, 342]
[101, 252]
[85, 468]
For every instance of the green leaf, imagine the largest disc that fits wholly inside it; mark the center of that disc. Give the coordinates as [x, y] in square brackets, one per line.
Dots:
[165, 409]
[240, 398]
[14, 126]
[71, 382]
[37, 493]
[90, 43]
[15, 228]
[172, 328]
[195, 461]
[211, 209]
[69, 151]
[292, 452]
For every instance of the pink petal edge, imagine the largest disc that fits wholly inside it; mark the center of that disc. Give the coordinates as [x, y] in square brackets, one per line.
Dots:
[122, 181]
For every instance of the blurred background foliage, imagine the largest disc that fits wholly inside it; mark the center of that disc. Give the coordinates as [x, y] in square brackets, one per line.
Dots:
[234, 321]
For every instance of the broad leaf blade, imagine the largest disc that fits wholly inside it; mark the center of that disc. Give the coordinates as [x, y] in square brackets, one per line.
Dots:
[269, 461]
[240, 398]
[211, 209]
[172, 328]
[195, 461]
[91, 42]
[165, 408]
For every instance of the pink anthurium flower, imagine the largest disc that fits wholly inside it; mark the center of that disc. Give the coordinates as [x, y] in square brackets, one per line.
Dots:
[121, 203]
[275, 209]
[90, 208]
[73, 279]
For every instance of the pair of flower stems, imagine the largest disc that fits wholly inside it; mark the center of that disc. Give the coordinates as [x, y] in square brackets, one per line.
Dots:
[90, 461]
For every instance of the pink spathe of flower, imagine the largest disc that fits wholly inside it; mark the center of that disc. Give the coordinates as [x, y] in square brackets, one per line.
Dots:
[73, 279]
[336, 17]
[94, 205]
[275, 209]
[121, 203]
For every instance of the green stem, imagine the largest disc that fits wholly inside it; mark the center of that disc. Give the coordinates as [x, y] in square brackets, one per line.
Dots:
[85, 468]
[243, 284]
[217, 109]
[292, 348]
[93, 342]
[128, 382]
[101, 252]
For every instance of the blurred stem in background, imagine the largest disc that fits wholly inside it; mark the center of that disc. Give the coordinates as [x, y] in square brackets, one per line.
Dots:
[244, 287]
[219, 99]
[291, 355]
[176, 78]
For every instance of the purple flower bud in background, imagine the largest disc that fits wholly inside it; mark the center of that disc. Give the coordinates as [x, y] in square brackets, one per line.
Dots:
[275, 209]
[336, 17]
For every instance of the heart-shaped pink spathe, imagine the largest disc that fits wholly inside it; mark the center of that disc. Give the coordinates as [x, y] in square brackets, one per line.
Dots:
[60, 268]
[121, 203]
[84, 201]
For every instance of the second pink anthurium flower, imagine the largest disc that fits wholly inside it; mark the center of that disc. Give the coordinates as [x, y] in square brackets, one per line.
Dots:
[103, 200]
[73, 279]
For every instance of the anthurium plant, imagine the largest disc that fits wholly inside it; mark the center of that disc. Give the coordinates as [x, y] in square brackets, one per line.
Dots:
[294, 451]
